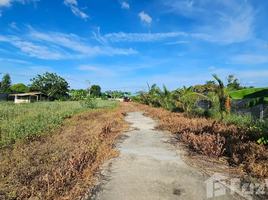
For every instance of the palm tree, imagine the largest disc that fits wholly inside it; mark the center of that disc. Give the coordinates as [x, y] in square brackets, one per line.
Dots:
[150, 97]
[167, 98]
[225, 103]
[188, 98]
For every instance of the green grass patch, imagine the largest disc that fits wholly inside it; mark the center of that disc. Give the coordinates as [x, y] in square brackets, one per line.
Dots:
[19, 121]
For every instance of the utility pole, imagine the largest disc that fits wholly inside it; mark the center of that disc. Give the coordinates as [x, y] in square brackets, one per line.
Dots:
[69, 85]
[88, 87]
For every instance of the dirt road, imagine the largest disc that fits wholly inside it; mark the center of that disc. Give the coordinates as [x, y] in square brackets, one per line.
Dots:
[150, 168]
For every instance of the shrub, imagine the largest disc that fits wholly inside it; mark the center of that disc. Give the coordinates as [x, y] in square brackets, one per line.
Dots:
[89, 103]
[103, 96]
[205, 143]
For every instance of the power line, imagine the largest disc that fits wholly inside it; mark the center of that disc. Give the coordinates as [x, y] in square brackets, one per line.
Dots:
[18, 74]
[77, 80]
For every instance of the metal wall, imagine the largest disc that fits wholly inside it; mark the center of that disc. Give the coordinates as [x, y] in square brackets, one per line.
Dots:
[238, 106]
[3, 96]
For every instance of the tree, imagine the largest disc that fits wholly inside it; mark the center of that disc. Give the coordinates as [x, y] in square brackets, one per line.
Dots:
[225, 103]
[19, 88]
[166, 98]
[188, 98]
[78, 94]
[95, 91]
[51, 84]
[233, 83]
[150, 97]
[5, 83]
[210, 82]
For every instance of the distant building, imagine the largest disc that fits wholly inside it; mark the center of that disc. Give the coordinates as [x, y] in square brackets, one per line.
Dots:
[29, 97]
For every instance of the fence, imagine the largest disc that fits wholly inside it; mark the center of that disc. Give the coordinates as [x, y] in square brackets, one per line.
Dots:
[3, 96]
[238, 107]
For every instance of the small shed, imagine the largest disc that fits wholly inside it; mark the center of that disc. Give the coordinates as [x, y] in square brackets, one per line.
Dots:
[29, 97]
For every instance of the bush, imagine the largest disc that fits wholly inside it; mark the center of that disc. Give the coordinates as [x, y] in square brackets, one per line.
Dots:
[103, 96]
[89, 103]
[205, 143]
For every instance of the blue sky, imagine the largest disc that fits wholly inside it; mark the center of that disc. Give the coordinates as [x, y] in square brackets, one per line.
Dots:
[124, 44]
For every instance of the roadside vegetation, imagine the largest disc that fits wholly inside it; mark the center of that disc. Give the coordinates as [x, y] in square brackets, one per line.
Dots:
[61, 164]
[214, 131]
[30, 121]
[52, 150]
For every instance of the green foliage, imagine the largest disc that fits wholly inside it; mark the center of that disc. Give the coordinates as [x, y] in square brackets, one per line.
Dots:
[19, 88]
[150, 97]
[166, 98]
[103, 96]
[210, 82]
[116, 94]
[50, 84]
[263, 140]
[256, 101]
[223, 97]
[249, 93]
[78, 94]
[210, 86]
[20, 121]
[177, 100]
[95, 91]
[89, 103]
[5, 83]
[189, 98]
[30, 120]
[259, 95]
[233, 83]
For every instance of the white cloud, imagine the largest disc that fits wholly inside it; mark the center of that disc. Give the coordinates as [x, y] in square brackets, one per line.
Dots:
[5, 3]
[56, 46]
[248, 59]
[145, 17]
[74, 8]
[125, 5]
[256, 74]
[226, 22]
[38, 51]
[3, 39]
[75, 43]
[177, 42]
[98, 70]
[212, 67]
[13, 25]
[15, 61]
[142, 37]
[153, 37]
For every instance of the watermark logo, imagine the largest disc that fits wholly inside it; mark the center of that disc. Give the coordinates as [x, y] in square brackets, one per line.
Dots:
[217, 186]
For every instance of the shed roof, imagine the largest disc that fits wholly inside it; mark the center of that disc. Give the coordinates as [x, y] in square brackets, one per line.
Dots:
[28, 94]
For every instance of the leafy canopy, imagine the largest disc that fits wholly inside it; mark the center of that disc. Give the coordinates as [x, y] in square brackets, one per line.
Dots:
[19, 88]
[95, 91]
[5, 83]
[51, 84]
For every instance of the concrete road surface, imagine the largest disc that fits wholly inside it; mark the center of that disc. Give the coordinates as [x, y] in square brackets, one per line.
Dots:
[150, 168]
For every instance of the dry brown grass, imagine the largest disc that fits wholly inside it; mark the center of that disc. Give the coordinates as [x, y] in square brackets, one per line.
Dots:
[213, 138]
[61, 165]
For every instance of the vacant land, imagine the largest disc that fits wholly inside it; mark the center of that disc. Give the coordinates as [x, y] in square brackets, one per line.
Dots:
[61, 164]
[20, 121]
[59, 161]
